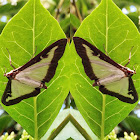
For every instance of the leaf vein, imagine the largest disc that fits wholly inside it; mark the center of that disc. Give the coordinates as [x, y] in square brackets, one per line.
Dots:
[115, 114]
[26, 23]
[120, 43]
[111, 101]
[89, 116]
[49, 117]
[87, 100]
[23, 115]
[27, 103]
[41, 31]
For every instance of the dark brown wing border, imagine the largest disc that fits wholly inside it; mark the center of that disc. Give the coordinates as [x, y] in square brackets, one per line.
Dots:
[85, 60]
[131, 90]
[16, 100]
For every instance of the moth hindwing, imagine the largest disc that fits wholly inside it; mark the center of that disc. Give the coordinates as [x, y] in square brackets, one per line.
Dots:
[112, 78]
[27, 80]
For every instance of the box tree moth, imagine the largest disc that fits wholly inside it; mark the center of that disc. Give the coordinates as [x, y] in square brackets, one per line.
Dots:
[27, 80]
[112, 78]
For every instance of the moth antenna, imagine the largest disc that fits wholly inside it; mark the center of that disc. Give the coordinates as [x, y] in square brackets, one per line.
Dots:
[10, 59]
[129, 57]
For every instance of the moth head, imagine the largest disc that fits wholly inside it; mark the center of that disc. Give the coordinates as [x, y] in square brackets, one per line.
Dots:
[130, 72]
[11, 74]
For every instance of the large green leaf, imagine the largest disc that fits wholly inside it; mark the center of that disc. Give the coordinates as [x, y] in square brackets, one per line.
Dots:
[33, 27]
[105, 26]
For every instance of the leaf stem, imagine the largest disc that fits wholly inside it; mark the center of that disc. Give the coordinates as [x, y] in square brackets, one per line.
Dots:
[77, 10]
[35, 119]
[58, 9]
[34, 99]
[33, 29]
[103, 117]
[106, 25]
[104, 96]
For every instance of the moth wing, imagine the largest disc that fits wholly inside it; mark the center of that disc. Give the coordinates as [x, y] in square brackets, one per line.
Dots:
[123, 89]
[39, 69]
[101, 68]
[16, 91]
[43, 66]
[96, 64]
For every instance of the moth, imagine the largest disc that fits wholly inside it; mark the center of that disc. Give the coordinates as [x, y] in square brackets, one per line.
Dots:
[28, 80]
[111, 78]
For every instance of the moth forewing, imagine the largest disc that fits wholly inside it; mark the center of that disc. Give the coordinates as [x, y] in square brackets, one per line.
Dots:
[112, 78]
[27, 80]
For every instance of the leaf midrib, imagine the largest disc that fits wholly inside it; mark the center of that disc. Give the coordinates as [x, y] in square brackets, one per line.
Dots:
[104, 96]
[34, 98]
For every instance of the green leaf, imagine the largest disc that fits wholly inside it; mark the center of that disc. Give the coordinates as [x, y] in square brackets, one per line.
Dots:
[105, 26]
[123, 3]
[33, 27]
[4, 122]
[74, 21]
[134, 124]
[9, 9]
[65, 23]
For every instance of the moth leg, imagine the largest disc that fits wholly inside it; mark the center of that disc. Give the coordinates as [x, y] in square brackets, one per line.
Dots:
[5, 71]
[134, 69]
[106, 51]
[96, 83]
[42, 85]
[34, 52]
[10, 60]
[129, 57]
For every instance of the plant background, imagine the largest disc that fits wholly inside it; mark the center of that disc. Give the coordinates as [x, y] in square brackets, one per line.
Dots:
[70, 14]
